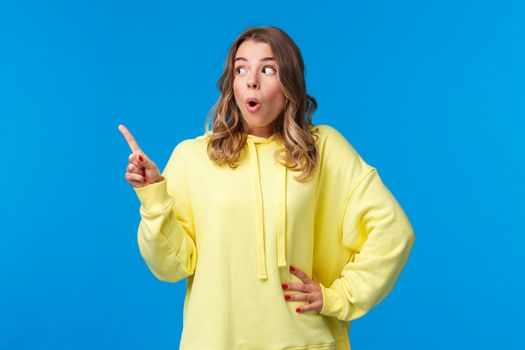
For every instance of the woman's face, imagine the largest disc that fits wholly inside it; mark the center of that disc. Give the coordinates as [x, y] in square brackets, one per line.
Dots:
[255, 77]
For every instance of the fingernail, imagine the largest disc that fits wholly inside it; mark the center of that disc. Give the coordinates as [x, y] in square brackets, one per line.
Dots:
[292, 268]
[140, 158]
[287, 297]
[298, 309]
[285, 286]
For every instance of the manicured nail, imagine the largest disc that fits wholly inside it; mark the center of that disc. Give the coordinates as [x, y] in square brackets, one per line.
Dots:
[298, 309]
[285, 286]
[140, 158]
[287, 297]
[292, 268]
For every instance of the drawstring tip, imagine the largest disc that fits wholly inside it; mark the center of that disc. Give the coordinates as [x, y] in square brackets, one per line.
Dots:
[282, 262]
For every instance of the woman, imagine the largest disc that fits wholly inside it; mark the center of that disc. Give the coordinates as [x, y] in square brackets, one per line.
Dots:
[283, 232]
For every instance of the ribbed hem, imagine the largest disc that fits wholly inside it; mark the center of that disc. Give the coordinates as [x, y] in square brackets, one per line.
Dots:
[330, 301]
[342, 344]
[153, 197]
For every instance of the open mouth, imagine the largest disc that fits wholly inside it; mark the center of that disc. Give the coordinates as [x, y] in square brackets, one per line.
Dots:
[253, 105]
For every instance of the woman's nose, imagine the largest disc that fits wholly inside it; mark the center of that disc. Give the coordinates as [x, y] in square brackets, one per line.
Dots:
[252, 82]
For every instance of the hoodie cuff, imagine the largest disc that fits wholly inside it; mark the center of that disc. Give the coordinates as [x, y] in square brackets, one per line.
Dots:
[332, 304]
[153, 197]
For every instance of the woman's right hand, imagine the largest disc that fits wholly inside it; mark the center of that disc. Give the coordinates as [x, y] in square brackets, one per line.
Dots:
[141, 170]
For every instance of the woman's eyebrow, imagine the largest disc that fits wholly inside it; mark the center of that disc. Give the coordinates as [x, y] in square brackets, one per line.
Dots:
[262, 59]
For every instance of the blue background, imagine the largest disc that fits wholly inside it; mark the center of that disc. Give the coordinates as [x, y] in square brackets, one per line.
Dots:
[430, 93]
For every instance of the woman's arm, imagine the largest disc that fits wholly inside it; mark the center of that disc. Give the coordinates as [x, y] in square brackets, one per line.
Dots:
[166, 236]
[376, 228]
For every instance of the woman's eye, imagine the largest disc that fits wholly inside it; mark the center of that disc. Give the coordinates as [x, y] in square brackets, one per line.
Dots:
[239, 69]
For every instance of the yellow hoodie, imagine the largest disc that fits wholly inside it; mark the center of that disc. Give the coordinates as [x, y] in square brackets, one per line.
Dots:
[233, 233]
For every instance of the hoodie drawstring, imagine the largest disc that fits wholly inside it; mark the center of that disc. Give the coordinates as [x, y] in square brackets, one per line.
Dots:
[281, 220]
[259, 215]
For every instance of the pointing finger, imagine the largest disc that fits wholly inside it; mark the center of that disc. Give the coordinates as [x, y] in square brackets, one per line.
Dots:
[129, 138]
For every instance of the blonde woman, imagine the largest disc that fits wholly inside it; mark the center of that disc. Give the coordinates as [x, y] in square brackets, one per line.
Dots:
[283, 233]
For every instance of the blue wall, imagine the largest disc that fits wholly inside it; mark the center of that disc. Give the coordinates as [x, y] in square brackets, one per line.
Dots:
[430, 93]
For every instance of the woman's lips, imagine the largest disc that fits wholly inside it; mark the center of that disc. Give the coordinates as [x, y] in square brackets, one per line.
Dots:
[253, 108]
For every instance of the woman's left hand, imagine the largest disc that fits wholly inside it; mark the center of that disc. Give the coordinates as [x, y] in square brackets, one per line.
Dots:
[311, 291]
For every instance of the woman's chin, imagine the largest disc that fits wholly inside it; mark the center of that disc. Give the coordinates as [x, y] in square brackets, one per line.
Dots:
[257, 121]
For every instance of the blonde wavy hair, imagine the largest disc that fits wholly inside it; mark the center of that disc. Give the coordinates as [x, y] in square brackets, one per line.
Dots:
[293, 127]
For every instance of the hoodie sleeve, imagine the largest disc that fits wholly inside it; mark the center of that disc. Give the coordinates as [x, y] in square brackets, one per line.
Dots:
[166, 236]
[376, 229]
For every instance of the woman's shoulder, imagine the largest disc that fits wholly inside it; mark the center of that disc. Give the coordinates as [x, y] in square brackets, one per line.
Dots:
[330, 137]
[190, 147]
[335, 149]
